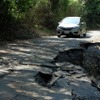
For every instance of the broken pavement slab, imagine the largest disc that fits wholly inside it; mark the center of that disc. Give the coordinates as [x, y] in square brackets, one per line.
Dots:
[24, 85]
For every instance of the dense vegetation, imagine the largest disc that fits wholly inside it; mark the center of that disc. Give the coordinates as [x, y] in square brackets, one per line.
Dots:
[19, 18]
[92, 13]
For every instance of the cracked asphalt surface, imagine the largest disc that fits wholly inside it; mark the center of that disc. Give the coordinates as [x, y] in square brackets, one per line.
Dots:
[22, 60]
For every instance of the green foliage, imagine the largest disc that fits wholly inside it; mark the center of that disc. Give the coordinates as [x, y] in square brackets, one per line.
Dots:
[12, 14]
[42, 14]
[48, 12]
[62, 7]
[92, 13]
[74, 8]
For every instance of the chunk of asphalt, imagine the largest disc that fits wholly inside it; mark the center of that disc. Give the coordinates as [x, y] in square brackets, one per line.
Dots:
[43, 78]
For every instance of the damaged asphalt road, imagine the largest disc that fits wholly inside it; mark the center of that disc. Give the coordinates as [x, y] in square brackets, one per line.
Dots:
[21, 63]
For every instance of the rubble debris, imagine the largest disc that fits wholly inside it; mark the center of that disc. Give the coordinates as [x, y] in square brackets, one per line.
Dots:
[48, 79]
[75, 56]
[55, 76]
[92, 59]
[88, 57]
[78, 83]
[43, 78]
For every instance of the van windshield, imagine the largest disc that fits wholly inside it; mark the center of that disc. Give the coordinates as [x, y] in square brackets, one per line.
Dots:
[71, 20]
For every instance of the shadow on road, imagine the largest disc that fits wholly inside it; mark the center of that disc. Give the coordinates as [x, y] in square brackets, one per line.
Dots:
[37, 50]
[73, 36]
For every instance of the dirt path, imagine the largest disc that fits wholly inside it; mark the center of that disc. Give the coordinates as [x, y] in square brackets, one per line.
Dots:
[21, 61]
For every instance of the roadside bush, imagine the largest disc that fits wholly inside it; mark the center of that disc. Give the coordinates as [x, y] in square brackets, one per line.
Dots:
[17, 17]
[13, 15]
[92, 13]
